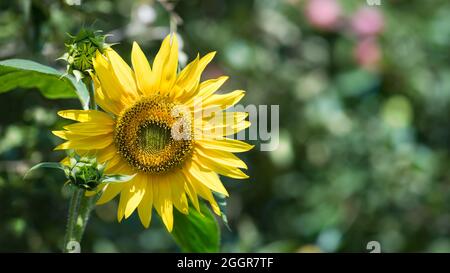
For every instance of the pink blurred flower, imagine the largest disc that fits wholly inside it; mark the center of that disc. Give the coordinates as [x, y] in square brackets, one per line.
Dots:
[368, 53]
[323, 14]
[367, 21]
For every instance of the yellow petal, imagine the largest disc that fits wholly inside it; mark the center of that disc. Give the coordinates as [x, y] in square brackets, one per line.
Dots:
[220, 131]
[146, 205]
[165, 65]
[87, 115]
[221, 124]
[222, 102]
[163, 201]
[123, 201]
[109, 192]
[90, 128]
[221, 157]
[207, 88]
[102, 98]
[185, 79]
[225, 144]
[204, 61]
[136, 192]
[117, 165]
[65, 161]
[203, 191]
[107, 154]
[87, 143]
[189, 77]
[124, 74]
[209, 164]
[114, 164]
[142, 69]
[60, 134]
[177, 182]
[206, 194]
[109, 82]
[225, 118]
[190, 190]
[206, 177]
[75, 136]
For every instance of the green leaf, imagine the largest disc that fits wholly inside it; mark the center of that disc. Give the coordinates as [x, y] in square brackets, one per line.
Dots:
[196, 232]
[222, 202]
[53, 165]
[15, 73]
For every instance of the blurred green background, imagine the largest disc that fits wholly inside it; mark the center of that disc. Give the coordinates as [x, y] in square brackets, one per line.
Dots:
[364, 94]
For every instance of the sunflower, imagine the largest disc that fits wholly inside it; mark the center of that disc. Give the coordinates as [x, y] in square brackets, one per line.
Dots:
[153, 125]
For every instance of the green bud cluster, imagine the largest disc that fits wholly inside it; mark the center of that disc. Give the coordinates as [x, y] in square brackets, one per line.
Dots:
[81, 49]
[84, 172]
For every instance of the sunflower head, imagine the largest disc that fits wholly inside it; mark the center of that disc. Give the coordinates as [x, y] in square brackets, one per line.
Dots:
[145, 135]
[151, 126]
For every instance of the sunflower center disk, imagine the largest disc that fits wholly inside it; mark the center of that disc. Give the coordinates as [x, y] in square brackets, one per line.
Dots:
[144, 135]
[153, 138]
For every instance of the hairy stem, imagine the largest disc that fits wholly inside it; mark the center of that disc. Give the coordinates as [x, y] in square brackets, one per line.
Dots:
[74, 205]
[84, 211]
[88, 82]
[80, 205]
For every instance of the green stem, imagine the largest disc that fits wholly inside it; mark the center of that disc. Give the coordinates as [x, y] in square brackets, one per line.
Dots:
[88, 82]
[84, 211]
[79, 211]
[80, 205]
[72, 219]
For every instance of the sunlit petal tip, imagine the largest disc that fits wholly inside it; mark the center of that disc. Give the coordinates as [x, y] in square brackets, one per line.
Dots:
[208, 58]
[168, 221]
[226, 194]
[146, 224]
[62, 146]
[222, 79]
[60, 134]
[173, 38]
[61, 113]
[169, 228]
[120, 210]
[212, 54]
[142, 69]
[135, 48]
[244, 177]
[119, 217]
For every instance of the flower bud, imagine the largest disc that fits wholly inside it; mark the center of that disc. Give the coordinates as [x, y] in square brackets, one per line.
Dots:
[80, 50]
[85, 172]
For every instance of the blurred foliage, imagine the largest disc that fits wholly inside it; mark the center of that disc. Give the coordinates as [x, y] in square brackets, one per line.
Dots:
[363, 149]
